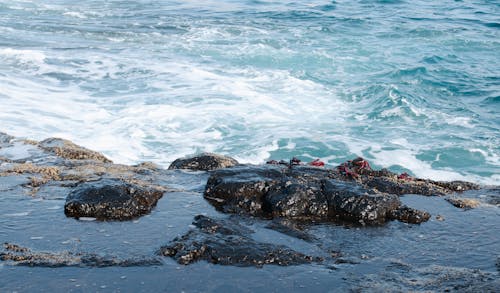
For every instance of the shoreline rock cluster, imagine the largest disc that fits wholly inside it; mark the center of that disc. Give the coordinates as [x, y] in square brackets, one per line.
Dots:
[292, 191]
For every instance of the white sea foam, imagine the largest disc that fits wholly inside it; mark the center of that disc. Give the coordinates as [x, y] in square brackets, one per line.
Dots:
[75, 14]
[24, 56]
[20, 214]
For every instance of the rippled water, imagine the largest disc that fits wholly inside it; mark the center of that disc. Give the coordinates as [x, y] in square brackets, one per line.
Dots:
[410, 85]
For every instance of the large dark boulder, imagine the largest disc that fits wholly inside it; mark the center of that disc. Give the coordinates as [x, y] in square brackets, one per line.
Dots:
[300, 192]
[204, 162]
[227, 242]
[111, 199]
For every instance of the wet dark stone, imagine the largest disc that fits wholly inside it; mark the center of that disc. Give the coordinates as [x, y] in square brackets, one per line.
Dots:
[457, 185]
[400, 187]
[409, 215]
[290, 228]
[386, 181]
[299, 192]
[350, 202]
[227, 242]
[297, 201]
[111, 199]
[241, 189]
[204, 162]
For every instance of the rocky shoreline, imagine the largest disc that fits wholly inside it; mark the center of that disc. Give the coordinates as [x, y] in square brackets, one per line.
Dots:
[280, 193]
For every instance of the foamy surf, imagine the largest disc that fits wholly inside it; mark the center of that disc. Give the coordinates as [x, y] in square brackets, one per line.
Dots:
[254, 81]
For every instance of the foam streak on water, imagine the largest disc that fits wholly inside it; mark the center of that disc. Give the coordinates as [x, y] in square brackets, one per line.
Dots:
[410, 85]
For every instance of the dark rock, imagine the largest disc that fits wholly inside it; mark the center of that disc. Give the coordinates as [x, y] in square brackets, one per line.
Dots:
[290, 228]
[300, 192]
[400, 186]
[409, 215]
[204, 162]
[297, 201]
[351, 202]
[22, 256]
[68, 150]
[227, 243]
[386, 181]
[111, 199]
[241, 188]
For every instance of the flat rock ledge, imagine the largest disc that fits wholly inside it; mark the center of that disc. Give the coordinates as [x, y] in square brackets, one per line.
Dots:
[111, 199]
[22, 256]
[463, 203]
[303, 192]
[226, 242]
[204, 162]
[68, 150]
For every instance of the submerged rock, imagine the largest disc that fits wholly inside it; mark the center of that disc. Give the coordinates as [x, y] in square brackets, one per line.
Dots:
[22, 256]
[463, 203]
[227, 243]
[300, 192]
[204, 162]
[111, 199]
[433, 278]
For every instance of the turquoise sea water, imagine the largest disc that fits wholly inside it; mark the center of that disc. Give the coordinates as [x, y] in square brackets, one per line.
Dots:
[410, 85]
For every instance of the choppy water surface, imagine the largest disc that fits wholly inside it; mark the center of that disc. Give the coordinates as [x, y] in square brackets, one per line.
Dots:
[412, 85]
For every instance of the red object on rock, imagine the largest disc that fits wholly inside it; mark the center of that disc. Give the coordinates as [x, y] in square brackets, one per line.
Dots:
[344, 168]
[404, 176]
[361, 163]
[317, 163]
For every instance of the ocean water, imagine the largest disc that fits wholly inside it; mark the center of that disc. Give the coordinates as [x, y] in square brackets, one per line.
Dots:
[410, 85]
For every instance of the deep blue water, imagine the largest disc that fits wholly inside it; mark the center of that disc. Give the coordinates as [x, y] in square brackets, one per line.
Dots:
[410, 85]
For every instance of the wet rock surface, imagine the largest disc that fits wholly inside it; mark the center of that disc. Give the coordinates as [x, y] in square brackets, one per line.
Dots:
[22, 256]
[228, 243]
[409, 215]
[110, 199]
[204, 162]
[383, 180]
[302, 192]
